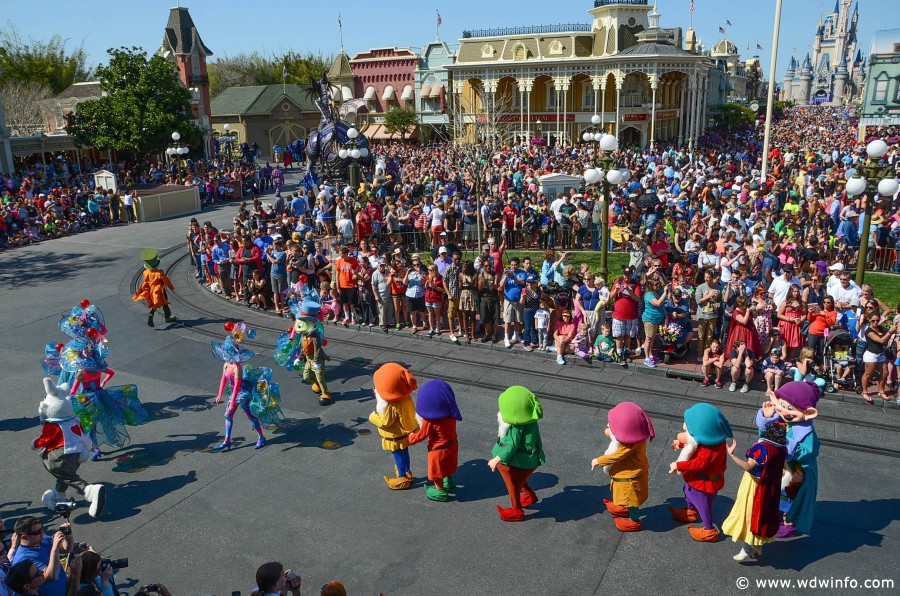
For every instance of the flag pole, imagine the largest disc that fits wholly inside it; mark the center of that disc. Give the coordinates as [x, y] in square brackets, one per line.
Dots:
[771, 95]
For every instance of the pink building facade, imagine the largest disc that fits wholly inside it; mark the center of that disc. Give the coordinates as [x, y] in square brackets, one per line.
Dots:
[385, 79]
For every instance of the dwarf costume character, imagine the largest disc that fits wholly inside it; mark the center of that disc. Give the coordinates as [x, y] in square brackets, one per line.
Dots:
[153, 288]
[64, 447]
[794, 404]
[306, 340]
[395, 418]
[702, 464]
[518, 451]
[437, 415]
[626, 457]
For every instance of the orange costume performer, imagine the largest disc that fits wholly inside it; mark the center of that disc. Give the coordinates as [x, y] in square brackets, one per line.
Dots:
[153, 288]
[626, 463]
[437, 414]
[395, 419]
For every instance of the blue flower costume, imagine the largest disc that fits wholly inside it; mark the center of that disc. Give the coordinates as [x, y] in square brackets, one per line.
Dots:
[104, 411]
[249, 387]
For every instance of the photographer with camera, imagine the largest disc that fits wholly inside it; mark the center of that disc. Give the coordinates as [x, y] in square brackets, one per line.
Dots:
[46, 571]
[98, 572]
[273, 578]
[153, 589]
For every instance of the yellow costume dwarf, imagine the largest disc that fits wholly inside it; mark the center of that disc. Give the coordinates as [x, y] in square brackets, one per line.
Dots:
[395, 418]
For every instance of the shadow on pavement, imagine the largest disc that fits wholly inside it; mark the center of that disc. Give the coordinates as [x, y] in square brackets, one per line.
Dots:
[868, 519]
[295, 434]
[137, 458]
[573, 503]
[41, 267]
[17, 424]
[125, 500]
[184, 403]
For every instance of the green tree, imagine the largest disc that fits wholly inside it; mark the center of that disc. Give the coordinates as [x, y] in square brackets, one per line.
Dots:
[255, 69]
[43, 62]
[732, 114]
[144, 103]
[400, 121]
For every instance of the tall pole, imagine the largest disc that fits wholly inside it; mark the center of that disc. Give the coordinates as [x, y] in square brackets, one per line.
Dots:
[864, 236]
[771, 95]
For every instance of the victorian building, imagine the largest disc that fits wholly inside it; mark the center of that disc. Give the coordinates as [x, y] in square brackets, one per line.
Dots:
[385, 78]
[182, 45]
[881, 96]
[835, 73]
[549, 80]
[432, 89]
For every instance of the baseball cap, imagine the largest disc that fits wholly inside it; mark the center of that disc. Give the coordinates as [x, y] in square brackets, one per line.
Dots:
[787, 267]
[443, 233]
[491, 241]
[270, 225]
[837, 267]
[485, 247]
[441, 251]
[854, 301]
[531, 278]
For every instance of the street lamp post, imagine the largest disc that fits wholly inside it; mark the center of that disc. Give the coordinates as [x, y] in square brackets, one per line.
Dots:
[879, 178]
[351, 152]
[540, 136]
[608, 175]
[175, 151]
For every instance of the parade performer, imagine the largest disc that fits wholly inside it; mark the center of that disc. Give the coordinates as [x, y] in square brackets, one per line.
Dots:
[628, 430]
[755, 517]
[702, 464]
[153, 288]
[304, 343]
[64, 448]
[249, 387]
[104, 411]
[437, 415]
[794, 404]
[395, 418]
[518, 451]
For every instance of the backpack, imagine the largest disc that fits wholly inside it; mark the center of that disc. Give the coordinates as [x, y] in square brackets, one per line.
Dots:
[754, 264]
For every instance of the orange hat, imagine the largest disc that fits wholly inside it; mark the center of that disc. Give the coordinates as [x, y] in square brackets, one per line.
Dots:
[334, 589]
[393, 382]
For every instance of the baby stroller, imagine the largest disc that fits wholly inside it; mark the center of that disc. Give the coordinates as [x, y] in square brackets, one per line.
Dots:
[840, 351]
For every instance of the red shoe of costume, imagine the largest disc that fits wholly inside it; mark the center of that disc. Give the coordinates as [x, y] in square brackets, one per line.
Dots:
[616, 510]
[684, 515]
[511, 514]
[624, 524]
[704, 535]
[529, 498]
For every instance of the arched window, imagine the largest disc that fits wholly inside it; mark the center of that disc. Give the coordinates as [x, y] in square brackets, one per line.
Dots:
[520, 53]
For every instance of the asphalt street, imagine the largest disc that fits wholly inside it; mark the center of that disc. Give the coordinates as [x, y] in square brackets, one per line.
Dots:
[314, 499]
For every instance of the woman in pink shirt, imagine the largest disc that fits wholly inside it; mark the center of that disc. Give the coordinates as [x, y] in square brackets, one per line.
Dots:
[564, 335]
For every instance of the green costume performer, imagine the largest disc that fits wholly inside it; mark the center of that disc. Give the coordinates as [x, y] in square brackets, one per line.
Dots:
[306, 340]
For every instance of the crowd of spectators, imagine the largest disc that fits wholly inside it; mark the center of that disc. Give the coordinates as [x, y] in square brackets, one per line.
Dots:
[709, 247]
[45, 201]
[37, 560]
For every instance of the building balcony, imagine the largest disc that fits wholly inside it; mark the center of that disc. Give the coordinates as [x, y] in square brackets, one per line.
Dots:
[537, 29]
[599, 3]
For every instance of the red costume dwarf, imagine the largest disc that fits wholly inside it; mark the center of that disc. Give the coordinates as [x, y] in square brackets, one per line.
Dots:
[437, 414]
[702, 464]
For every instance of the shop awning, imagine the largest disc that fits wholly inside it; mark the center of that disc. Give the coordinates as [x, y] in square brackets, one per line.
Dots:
[346, 92]
[425, 91]
[388, 93]
[436, 91]
[370, 93]
[376, 132]
[407, 93]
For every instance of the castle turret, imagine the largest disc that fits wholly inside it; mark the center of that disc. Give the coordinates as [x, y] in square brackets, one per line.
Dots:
[841, 77]
[806, 77]
[787, 87]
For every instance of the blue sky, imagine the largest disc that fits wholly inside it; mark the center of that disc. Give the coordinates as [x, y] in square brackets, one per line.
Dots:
[232, 26]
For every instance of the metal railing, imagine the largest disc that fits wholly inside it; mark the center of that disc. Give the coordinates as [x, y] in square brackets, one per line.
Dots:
[505, 31]
[599, 3]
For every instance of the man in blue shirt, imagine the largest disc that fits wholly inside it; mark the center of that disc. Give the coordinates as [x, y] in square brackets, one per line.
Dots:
[43, 551]
[299, 205]
[848, 229]
[513, 282]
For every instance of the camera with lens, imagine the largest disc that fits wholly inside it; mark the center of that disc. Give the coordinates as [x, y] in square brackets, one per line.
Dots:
[114, 563]
[66, 508]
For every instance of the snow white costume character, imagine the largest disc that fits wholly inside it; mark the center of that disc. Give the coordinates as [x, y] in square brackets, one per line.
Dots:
[104, 411]
[249, 387]
[304, 343]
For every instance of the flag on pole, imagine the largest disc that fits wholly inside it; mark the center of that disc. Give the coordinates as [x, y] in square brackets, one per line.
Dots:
[439, 19]
[339, 21]
[722, 30]
[284, 71]
[758, 47]
[727, 22]
[692, 6]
